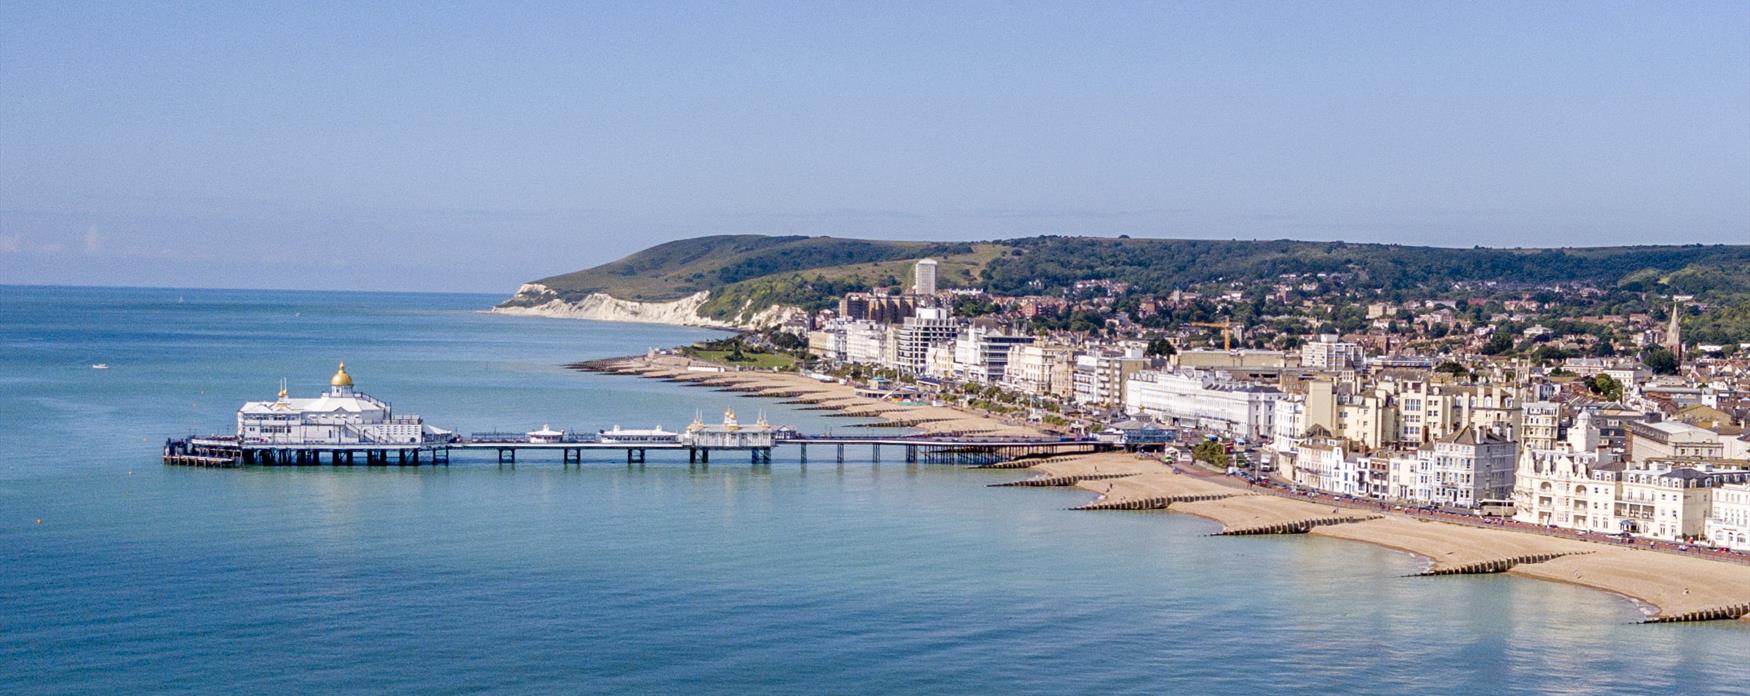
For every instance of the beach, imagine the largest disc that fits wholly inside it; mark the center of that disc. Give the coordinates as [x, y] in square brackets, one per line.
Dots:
[801, 389]
[1672, 587]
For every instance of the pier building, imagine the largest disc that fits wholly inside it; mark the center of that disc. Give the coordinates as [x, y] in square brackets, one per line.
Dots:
[546, 436]
[730, 434]
[340, 416]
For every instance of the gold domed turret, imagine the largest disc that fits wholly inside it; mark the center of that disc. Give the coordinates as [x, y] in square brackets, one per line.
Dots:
[340, 378]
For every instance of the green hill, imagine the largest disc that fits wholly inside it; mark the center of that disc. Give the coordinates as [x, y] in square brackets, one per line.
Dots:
[1161, 265]
[680, 268]
[748, 273]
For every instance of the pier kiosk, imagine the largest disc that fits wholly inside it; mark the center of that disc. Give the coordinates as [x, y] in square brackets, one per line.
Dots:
[700, 438]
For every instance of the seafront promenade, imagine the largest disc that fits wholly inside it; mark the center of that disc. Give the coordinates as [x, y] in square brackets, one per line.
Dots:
[1676, 587]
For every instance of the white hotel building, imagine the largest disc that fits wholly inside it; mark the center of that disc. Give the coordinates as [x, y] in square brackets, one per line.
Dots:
[1571, 485]
[865, 342]
[912, 341]
[1101, 377]
[1728, 520]
[1203, 400]
[1464, 468]
[981, 353]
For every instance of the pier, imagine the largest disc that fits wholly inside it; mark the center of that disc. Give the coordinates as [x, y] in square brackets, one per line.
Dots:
[346, 427]
[226, 451]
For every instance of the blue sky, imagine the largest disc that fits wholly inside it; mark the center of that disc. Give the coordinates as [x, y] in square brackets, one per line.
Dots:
[470, 146]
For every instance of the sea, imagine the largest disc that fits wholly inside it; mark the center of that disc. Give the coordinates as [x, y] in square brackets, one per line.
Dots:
[119, 574]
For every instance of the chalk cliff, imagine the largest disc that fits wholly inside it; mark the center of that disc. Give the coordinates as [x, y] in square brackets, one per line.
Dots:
[535, 299]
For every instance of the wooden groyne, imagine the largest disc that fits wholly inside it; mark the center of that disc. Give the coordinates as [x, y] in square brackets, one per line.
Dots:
[1296, 527]
[1160, 502]
[1497, 565]
[1730, 612]
[1056, 481]
[896, 423]
[1023, 462]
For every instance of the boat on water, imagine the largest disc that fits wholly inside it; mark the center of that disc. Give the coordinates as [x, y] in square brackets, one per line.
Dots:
[99, 366]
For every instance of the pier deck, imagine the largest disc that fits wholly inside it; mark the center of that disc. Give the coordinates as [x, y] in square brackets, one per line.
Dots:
[229, 451]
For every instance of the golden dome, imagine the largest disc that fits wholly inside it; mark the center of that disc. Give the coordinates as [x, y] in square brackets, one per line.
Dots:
[340, 378]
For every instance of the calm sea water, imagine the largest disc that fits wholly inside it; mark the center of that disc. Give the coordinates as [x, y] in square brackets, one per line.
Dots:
[662, 578]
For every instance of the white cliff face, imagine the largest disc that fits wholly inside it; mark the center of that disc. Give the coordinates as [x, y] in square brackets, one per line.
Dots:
[538, 300]
[543, 302]
[773, 315]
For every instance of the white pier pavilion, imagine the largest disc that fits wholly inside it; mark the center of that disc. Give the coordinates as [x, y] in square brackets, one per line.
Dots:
[340, 416]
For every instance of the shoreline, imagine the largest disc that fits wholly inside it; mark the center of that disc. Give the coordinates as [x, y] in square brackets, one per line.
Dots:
[1675, 587]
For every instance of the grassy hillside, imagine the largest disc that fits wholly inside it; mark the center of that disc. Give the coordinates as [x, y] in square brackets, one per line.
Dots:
[680, 268]
[748, 273]
[820, 288]
[1160, 265]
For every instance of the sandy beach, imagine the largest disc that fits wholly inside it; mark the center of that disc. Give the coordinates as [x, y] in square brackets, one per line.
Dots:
[840, 398]
[1676, 587]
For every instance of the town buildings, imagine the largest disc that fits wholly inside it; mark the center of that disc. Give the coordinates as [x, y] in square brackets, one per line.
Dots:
[1101, 377]
[878, 307]
[981, 352]
[1669, 439]
[1205, 400]
[924, 277]
[1591, 442]
[1041, 370]
[1728, 519]
[1572, 484]
[1328, 353]
[1464, 468]
[913, 339]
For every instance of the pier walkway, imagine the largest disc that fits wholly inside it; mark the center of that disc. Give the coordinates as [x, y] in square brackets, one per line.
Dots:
[230, 451]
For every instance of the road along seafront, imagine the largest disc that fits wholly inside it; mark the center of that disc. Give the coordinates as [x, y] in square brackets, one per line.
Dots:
[1675, 587]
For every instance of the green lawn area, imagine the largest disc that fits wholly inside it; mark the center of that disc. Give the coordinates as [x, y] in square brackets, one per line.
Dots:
[759, 361]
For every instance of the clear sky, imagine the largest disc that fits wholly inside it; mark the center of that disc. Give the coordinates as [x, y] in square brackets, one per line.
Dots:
[471, 146]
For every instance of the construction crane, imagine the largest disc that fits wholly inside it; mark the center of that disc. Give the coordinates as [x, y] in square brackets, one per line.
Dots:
[1227, 327]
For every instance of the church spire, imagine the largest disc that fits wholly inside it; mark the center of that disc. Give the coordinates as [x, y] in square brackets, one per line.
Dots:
[1674, 332]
